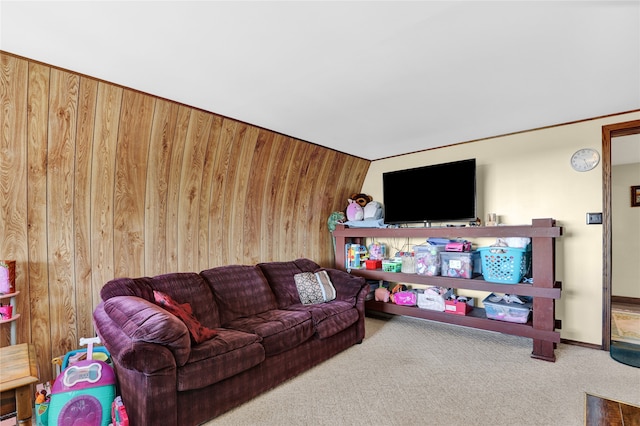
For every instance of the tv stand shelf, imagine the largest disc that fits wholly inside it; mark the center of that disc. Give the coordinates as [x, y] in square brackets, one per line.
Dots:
[545, 290]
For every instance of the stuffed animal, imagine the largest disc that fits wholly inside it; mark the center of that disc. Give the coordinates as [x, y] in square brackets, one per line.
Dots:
[334, 219]
[362, 206]
[354, 211]
[373, 210]
[381, 294]
[361, 199]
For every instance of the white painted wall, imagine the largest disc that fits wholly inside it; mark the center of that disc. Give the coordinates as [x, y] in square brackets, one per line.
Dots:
[528, 175]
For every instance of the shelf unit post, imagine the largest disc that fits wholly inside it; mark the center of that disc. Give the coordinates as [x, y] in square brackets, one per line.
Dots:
[543, 267]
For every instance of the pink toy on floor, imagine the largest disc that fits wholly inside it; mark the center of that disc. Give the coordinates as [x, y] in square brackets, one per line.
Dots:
[83, 393]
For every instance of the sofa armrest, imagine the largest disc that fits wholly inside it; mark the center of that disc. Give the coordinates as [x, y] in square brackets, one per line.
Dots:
[132, 327]
[147, 373]
[347, 286]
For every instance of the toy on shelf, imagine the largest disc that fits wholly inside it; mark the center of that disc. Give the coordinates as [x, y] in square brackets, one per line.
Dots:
[362, 207]
[7, 276]
[377, 251]
[361, 199]
[354, 211]
[381, 294]
[356, 256]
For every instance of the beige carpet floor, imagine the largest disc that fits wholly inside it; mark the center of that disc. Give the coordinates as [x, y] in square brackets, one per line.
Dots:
[415, 372]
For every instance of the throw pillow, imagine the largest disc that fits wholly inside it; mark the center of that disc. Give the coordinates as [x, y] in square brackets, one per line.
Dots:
[314, 287]
[198, 332]
[328, 289]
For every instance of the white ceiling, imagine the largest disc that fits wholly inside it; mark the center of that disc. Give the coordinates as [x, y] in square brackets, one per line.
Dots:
[369, 78]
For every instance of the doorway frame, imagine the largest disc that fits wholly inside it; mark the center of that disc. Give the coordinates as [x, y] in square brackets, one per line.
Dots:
[608, 132]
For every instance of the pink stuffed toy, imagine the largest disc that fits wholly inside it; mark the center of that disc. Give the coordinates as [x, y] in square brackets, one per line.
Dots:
[354, 211]
[381, 294]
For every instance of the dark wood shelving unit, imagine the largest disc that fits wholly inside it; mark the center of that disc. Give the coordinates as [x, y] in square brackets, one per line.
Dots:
[545, 290]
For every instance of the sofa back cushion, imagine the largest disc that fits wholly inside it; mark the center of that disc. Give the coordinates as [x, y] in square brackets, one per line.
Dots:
[315, 287]
[280, 276]
[199, 333]
[183, 287]
[138, 287]
[240, 291]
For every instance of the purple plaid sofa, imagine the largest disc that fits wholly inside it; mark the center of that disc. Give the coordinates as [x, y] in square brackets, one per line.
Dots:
[263, 336]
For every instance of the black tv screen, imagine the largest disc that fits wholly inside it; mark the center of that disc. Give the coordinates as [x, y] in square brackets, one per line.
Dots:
[437, 193]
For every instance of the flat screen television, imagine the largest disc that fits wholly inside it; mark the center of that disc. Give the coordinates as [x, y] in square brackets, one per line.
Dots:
[437, 193]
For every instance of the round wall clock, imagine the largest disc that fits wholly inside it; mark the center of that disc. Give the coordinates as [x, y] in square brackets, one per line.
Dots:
[585, 159]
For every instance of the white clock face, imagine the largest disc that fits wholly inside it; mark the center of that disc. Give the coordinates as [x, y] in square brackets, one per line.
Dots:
[585, 159]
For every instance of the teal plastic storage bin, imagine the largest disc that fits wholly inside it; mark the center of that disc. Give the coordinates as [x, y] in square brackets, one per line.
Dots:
[505, 265]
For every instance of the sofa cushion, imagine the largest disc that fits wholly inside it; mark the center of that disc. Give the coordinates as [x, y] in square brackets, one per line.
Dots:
[197, 331]
[240, 291]
[142, 320]
[185, 287]
[314, 287]
[280, 330]
[189, 287]
[330, 318]
[280, 277]
[139, 287]
[347, 286]
[230, 353]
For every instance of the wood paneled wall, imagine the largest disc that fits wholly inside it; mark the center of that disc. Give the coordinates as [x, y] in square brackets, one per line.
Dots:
[99, 181]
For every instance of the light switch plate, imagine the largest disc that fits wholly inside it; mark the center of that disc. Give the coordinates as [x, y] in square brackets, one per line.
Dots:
[594, 218]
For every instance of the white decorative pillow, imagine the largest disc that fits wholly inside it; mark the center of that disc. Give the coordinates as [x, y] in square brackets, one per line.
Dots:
[314, 287]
